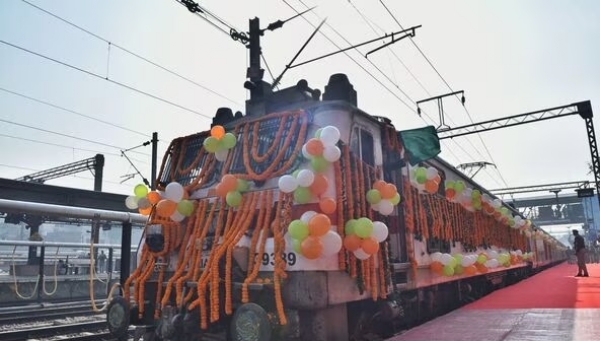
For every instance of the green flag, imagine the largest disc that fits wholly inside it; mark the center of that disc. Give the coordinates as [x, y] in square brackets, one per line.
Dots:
[420, 144]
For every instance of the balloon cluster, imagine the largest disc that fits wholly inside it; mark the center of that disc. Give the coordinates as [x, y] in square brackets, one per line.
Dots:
[363, 237]
[171, 203]
[383, 197]
[231, 188]
[219, 142]
[312, 237]
[458, 264]
[305, 184]
[322, 150]
[425, 179]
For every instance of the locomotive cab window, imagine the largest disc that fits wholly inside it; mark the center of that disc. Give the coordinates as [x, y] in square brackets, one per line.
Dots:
[362, 144]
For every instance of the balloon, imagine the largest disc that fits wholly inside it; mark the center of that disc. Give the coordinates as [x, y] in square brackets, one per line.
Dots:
[449, 184]
[287, 184]
[396, 199]
[153, 197]
[305, 178]
[448, 270]
[185, 207]
[297, 246]
[217, 132]
[318, 225]
[165, 208]
[174, 191]
[389, 191]
[332, 243]
[306, 216]
[350, 226]
[229, 182]
[352, 242]
[144, 203]
[311, 247]
[145, 211]
[233, 198]
[361, 254]
[378, 185]
[470, 270]
[298, 229]
[211, 144]
[431, 187]
[330, 135]
[131, 202]
[229, 141]
[221, 155]
[318, 133]
[302, 195]
[375, 207]
[369, 245]
[221, 190]
[373, 196]
[315, 147]
[431, 173]
[242, 185]
[327, 205]
[332, 153]
[140, 190]
[363, 228]
[493, 254]
[459, 186]
[380, 231]
[177, 217]
[436, 257]
[319, 185]
[386, 207]
[436, 267]
[305, 153]
[319, 164]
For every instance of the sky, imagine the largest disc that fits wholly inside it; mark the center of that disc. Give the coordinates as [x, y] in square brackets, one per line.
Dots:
[510, 57]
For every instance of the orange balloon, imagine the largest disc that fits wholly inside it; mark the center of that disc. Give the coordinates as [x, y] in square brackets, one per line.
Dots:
[319, 225]
[315, 147]
[221, 190]
[369, 245]
[437, 179]
[311, 247]
[153, 197]
[229, 183]
[436, 267]
[217, 132]
[431, 186]
[379, 185]
[319, 185]
[481, 268]
[352, 242]
[450, 193]
[146, 211]
[470, 270]
[388, 191]
[327, 205]
[165, 208]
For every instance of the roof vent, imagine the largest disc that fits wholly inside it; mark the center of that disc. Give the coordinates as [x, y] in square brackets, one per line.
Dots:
[339, 88]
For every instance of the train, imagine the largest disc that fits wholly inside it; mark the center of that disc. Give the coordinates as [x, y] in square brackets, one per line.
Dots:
[307, 218]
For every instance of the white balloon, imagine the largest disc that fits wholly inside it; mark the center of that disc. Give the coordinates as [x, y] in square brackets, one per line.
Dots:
[496, 203]
[493, 254]
[466, 261]
[386, 207]
[446, 259]
[431, 173]
[176, 216]
[380, 231]
[332, 153]
[143, 203]
[287, 184]
[330, 135]
[305, 153]
[174, 191]
[332, 243]
[131, 202]
[375, 207]
[305, 178]
[360, 254]
[221, 155]
[306, 216]
[436, 257]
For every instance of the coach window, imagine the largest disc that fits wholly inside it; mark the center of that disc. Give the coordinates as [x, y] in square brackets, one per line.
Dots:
[362, 145]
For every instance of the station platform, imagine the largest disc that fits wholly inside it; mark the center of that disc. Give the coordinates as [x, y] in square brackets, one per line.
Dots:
[550, 306]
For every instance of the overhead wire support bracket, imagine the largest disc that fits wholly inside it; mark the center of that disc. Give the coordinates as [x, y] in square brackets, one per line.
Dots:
[412, 29]
[443, 126]
[394, 40]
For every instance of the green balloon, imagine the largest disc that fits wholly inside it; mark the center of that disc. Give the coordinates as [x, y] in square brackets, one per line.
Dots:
[211, 144]
[350, 227]
[459, 270]
[459, 186]
[185, 207]
[302, 195]
[318, 133]
[373, 197]
[298, 229]
[458, 257]
[319, 164]
[242, 185]
[295, 174]
[229, 141]
[421, 178]
[421, 171]
[452, 263]
[475, 194]
[481, 259]
[448, 270]
[396, 199]
[450, 184]
[363, 228]
[233, 198]
[140, 190]
[297, 246]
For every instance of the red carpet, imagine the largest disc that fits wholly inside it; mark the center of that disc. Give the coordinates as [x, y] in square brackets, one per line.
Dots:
[552, 288]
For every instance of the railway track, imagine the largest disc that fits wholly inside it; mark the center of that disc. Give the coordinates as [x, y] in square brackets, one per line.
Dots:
[74, 331]
[34, 313]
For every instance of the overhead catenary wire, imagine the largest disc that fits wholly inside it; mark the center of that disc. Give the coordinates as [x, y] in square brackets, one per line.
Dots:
[90, 73]
[135, 54]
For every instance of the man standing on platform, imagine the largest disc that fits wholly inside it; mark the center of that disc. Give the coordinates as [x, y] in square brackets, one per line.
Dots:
[580, 252]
